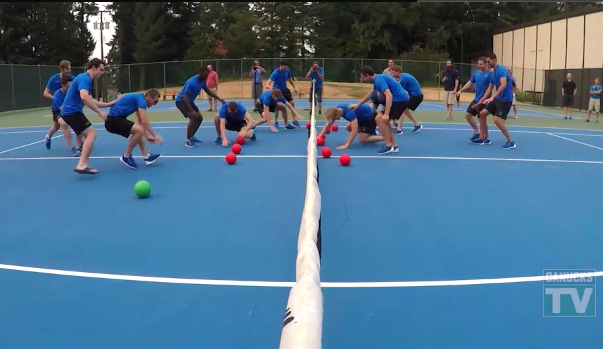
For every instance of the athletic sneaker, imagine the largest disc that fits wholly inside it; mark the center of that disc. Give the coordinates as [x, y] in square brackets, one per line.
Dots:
[417, 128]
[385, 150]
[151, 158]
[195, 140]
[276, 124]
[475, 136]
[487, 141]
[480, 141]
[48, 142]
[190, 144]
[76, 152]
[296, 123]
[253, 138]
[129, 161]
[398, 132]
[508, 145]
[218, 141]
[290, 126]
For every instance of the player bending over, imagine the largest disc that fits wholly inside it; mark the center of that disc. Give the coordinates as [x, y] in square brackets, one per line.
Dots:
[396, 102]
[117, 123]
[274, 102]
[498, 104]
[278, 81]
[72, 111]
[185, 102]
[57, 103]
[233, 117]
[410, 84]
[481, 79]
[361, 122]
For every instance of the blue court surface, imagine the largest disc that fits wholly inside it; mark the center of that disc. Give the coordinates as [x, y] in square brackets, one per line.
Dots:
[442, 245]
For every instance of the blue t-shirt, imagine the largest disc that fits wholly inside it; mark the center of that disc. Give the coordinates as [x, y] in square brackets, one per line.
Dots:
[192, 88]
[385, 82]
[595, 88]
[57, 99]
[481, 80]
[266, 99]
[127, 105]
[410, 84]
[73, 102]
[54, 83]
[362, 113]
[238, 116]
[280, 78]
[376, 100]
[501, 72]
[314, 76]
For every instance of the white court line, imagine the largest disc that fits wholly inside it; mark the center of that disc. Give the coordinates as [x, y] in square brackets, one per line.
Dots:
[383, 157]
[575, 141]
[285, 284]
[27, 145]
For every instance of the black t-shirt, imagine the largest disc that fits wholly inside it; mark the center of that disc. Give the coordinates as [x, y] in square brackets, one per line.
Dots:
[452, 75]
[569, 87]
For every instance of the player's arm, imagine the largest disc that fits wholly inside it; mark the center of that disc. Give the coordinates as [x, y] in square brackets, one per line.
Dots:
[223, 131]
[47, 93]
[269, 84]
[212, 95]
[364, 99]
[292, 108]
[309, 73]
[503, 84]
[353, 134]
[487, 93]
[326, 127]
[103, 104]
[320, 76]
[141, 114]
[465, 87]
[388, 101]
[249, 121]
[290, 79]
[91, 103]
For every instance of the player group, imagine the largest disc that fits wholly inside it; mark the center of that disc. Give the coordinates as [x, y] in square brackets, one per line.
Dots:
[398, 94]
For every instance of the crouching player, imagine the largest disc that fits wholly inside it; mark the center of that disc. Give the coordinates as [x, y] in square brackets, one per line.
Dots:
[361, 122]
[274, 102]
[117, 123]
[233, 117]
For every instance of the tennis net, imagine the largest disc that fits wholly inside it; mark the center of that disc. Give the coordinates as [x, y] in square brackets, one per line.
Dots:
[302, 326]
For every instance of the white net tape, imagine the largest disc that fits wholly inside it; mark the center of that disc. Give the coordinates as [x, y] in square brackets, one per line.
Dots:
[302, 327]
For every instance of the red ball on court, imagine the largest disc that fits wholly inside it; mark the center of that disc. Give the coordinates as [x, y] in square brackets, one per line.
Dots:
[240, 140]
[308, 125]
[320, 141]
[236, 148]
[326, 152]
[328, 130]
[345, 159]
[231, 158]
[334, 128]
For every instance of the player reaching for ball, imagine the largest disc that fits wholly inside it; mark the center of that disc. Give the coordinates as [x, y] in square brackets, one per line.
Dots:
[361, 122]
[274, 102]
[396, 102]
[233, 117]
[117, 123]
[72, 111]
[185, 102]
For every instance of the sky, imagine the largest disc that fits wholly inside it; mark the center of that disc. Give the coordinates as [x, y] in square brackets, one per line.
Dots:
[107, 33]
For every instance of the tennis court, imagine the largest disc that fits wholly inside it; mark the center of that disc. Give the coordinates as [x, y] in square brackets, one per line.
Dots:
[441, 245]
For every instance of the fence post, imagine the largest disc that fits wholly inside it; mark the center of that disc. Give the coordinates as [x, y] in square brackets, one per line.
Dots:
[12, 87]
[129, 79]
[164, 79]
[358, 75]
[439, 80]
[40, 83]
[241, 77]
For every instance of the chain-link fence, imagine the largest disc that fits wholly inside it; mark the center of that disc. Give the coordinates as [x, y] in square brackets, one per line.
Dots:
[22, 86]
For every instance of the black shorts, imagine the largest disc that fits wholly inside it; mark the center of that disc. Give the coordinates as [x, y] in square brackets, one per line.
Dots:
[397, 109]
[181, 105]
[260, 107]
[287, 94]
[232, 125]
[368, 126]
[56, 114]
[77, 121]
[474, 108]
[567, 101]
[414, 102]
[499, 108]
[119, 125]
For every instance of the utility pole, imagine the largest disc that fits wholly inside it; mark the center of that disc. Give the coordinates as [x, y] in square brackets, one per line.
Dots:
[103, 25]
